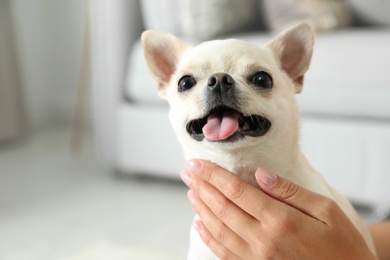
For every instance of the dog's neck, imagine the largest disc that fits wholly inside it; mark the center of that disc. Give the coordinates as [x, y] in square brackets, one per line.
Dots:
[283, 158]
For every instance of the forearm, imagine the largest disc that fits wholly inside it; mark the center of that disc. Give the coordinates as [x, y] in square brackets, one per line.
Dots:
[380, 232]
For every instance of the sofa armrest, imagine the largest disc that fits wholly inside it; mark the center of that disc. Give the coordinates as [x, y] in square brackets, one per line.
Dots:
[115, 25]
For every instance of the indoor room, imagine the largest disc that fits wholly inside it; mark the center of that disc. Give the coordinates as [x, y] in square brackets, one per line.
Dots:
[95, 163]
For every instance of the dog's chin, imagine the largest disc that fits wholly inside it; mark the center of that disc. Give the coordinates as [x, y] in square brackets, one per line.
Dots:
[249, 126]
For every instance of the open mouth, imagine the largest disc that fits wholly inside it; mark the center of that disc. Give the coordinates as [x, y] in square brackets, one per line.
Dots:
[224, 124]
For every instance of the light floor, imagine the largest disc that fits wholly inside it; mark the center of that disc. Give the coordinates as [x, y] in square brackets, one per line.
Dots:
[54, 204]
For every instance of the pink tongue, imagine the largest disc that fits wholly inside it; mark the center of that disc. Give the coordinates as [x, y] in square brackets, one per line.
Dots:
[221, 126]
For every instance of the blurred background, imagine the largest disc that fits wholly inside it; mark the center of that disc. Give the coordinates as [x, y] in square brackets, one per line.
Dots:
[89, 164]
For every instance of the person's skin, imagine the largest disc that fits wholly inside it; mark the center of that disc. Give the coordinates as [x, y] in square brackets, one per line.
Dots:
[280, 221]
[380, 232]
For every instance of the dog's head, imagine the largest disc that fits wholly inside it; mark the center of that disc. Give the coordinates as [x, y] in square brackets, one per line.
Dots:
[230, 91]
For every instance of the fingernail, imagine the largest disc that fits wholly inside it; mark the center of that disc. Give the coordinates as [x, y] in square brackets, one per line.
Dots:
[266, 177]
[195, 166]
[198, 226]
[186, 177]
[191, 196]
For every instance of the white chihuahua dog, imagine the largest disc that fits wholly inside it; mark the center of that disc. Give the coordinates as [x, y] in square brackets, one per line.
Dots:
[233, 103]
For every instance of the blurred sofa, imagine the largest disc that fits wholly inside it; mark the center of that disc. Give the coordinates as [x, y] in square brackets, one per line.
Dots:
[345, 103]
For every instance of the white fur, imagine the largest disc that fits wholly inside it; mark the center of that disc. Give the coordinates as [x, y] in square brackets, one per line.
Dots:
[278, 151]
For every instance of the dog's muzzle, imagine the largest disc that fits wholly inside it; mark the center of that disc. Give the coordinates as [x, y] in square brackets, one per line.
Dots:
[224, 122]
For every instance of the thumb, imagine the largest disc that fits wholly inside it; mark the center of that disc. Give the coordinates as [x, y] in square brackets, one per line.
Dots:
[292, 194]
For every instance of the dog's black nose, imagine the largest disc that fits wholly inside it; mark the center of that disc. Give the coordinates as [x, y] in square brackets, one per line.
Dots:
[220, 82]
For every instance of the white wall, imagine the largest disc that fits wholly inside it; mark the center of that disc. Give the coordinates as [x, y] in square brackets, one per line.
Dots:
[49, 37]
[11, 104]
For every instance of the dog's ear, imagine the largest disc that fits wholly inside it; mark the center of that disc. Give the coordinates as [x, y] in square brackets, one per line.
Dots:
[293, 49]
[162, 52]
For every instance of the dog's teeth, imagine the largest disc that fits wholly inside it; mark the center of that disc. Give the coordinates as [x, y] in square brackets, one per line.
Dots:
[246, 127]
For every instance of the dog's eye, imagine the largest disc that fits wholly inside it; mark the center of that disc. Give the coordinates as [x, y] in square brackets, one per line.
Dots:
[186, 82]
[262, 79]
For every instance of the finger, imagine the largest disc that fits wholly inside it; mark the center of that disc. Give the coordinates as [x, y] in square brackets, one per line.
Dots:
[306, 201]
[220, 238]
[226, 222]
[231, 186]
[218, 248]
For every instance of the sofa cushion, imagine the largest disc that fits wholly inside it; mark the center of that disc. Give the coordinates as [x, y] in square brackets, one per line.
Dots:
[208, 19]
[201, 19]
[323, 15]
[140, 86]
[373, 11]
[163, 15]
[349, 75]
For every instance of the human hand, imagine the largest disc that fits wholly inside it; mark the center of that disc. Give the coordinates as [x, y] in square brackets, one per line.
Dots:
[280, 221]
